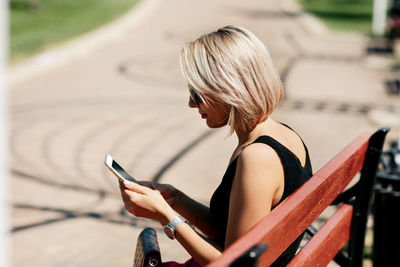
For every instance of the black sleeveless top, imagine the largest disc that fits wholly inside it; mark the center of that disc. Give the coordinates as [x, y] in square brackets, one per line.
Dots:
[295, 175]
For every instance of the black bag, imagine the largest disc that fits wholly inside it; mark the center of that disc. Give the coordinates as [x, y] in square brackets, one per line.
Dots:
[147, 250]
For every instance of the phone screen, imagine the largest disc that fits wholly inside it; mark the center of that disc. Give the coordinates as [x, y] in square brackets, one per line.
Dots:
[117, 169]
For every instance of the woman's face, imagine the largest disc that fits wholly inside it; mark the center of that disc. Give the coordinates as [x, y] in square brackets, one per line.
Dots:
[216, 114]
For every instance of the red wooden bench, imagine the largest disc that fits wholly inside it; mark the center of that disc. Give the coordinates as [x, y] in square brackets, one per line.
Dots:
[294, 215]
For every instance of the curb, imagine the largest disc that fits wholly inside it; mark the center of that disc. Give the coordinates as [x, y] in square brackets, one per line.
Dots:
[311, 23]
[79, 46]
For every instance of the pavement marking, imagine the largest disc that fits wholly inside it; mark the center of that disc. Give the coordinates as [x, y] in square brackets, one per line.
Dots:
[336, 106]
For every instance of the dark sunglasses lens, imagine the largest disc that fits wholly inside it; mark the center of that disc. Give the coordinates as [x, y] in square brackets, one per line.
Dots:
[195, 96]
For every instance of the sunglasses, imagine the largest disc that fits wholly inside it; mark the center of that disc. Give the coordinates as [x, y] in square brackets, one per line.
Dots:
[195, 96]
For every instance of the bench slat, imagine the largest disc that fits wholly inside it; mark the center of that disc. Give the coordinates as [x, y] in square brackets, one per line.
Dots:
[328, 241]
[287, 221]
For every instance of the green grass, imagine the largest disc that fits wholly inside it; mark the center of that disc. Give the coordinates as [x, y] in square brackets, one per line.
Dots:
[347, 15]
[39, 24]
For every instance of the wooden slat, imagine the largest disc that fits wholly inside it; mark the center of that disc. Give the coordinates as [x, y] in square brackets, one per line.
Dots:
[287, 221]
[327, 242]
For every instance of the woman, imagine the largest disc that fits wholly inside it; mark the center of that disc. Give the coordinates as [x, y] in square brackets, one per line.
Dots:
[232, 81]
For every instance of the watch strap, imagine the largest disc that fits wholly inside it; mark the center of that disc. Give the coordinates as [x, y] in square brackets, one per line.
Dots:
[170, 228]
[176, 221]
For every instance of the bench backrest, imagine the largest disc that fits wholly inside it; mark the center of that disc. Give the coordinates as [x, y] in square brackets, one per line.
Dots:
[292, 217]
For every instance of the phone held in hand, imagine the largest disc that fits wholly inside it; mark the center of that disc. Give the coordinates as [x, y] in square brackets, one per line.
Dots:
[117, 170]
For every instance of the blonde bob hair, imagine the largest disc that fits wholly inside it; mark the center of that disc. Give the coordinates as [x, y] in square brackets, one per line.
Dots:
[232, 66]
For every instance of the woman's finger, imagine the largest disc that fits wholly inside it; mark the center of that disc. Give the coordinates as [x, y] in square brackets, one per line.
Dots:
[133, 196]
[135, 187]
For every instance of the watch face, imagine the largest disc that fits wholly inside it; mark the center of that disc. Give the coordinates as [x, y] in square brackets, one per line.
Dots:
[169, 231]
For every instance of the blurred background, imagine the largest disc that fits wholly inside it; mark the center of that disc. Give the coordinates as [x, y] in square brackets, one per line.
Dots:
[91, 77]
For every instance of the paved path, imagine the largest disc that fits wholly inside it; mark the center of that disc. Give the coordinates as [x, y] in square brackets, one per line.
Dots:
[126, 97]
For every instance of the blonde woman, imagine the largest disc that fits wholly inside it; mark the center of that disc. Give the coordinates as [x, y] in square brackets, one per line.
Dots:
[231, 81]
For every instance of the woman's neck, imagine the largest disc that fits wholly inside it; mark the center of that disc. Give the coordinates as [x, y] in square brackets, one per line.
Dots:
[248, 137]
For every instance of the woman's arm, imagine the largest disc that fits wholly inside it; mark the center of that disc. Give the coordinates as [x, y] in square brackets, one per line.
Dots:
[257, 186]
[195, 212]
[145, 202]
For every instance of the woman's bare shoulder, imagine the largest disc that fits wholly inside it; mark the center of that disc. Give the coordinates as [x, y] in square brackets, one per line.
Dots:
[258, 152]
[258, 161]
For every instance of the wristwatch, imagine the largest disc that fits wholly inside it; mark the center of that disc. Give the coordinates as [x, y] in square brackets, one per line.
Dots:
[170, 228]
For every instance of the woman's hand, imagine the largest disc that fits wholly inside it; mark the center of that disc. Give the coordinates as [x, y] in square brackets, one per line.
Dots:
[169, 193]
[146, 202]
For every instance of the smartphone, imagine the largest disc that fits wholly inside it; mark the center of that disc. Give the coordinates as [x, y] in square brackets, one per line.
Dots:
[117, 170]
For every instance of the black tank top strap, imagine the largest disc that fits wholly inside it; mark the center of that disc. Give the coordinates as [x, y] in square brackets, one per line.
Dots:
[308, 161]
[283, 152]
[305, 147]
